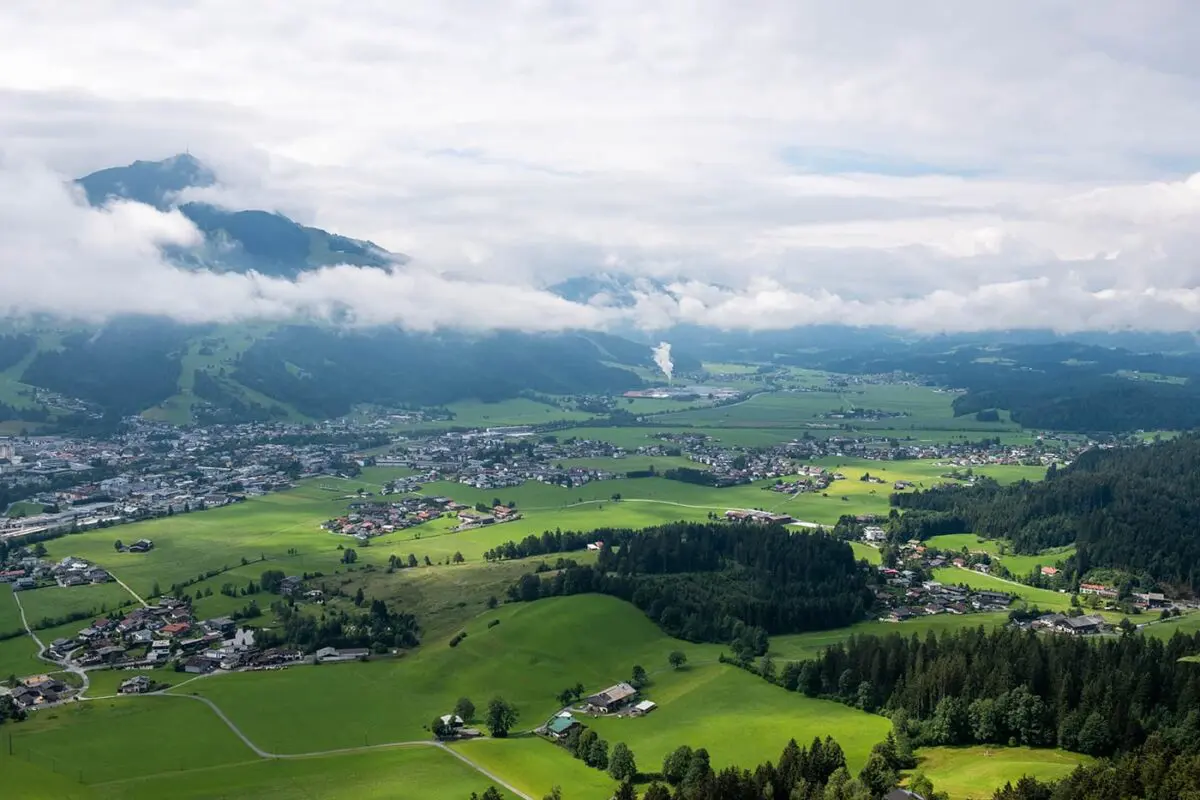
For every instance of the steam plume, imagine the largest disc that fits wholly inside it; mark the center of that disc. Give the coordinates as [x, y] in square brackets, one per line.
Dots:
[662, 357]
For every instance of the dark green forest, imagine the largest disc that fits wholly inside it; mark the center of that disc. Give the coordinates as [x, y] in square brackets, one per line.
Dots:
[1132, 509]
[711, 582]
[1016, 687]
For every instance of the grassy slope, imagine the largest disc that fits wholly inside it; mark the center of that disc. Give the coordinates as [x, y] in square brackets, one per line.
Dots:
[537, 649]
[18, 657]
[1042, 598]
[156, 734]
[57, 601]
[1016, 564]
[808, 645]
[973, 773]
[418, 773]
[536, 766]
[31, 781]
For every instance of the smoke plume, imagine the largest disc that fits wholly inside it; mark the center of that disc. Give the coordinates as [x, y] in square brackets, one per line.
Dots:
[662, 357]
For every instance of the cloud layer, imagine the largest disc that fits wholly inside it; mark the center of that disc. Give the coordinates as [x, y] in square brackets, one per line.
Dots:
[1028, 164]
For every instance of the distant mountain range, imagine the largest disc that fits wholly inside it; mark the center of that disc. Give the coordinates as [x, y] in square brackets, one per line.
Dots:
[265, 242]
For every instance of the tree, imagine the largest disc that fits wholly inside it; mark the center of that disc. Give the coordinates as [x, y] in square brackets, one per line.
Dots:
[677, 659]
[676, 763]
[598, 754]
[656, 791]
[500, 717]
[625, 792]
[458, 558]
[118, 545]
[621, 764]
[878, 776]
[699, 772]
[465, 708]
[920, 784]
[412, 560]
[359, 597]
[349, 556]
[155, 591]
[442, 730]
[639, 677]
[555, 794]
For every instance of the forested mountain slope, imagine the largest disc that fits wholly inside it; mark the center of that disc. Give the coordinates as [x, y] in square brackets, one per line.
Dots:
[1131, 509]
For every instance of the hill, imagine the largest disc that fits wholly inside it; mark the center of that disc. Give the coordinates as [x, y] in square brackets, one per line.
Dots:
[1132, 510]
[259, 241]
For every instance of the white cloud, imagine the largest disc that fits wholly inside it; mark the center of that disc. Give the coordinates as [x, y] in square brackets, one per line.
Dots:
[1023, 164]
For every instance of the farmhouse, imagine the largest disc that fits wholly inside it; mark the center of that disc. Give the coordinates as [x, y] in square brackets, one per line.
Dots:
[1098, 589]
[136, 685]
[614, 698]
[1150, 599]
[141, 546]
[561, 725]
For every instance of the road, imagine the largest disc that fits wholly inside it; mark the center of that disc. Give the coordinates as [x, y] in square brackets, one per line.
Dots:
[65, 666]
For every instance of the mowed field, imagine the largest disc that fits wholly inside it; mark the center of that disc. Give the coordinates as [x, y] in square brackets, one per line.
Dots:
[973, 773]
[537, 650]
[925, 408]
[408, 773]
[800, 646]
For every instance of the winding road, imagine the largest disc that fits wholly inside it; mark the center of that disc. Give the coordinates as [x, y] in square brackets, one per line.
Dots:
[66, 666]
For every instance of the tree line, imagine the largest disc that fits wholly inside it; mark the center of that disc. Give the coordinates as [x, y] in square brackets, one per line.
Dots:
[1131, 509]
[1015, 687]
[716, 583]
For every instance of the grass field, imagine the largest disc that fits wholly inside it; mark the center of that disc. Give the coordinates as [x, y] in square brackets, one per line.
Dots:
[411, 773]
[795, 647]
[43, 605]
[925, 408]
[1016, 564]
[107, 740]
[10, 613]
[1042, 598]
[535, 766]
[536, 650]
[18, 656]
[1189, 624]
[739, 717]
[973, 773]
[29, 781]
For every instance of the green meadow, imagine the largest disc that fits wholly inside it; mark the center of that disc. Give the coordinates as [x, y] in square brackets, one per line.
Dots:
[402, 773]
[800, 646]
[1019, 565]
[974, 773]
[117, 739]
[536, 766]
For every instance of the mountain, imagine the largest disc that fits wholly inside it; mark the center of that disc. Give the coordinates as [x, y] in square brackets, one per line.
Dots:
[155, 183]
[607, 289]
[265, 242]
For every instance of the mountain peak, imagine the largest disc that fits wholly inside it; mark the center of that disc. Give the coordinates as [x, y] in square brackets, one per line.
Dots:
[154, 183]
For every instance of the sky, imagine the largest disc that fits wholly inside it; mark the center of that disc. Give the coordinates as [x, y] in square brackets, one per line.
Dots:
[937, 166]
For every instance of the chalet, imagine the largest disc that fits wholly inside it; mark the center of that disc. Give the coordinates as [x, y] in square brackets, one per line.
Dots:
[141, 546]
[136, 685]
[899, 615]
[612, 699]
[333, 655]
[1049, 572]
[452, 721]
[561, 725]
[24, 584]
[175, 629]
